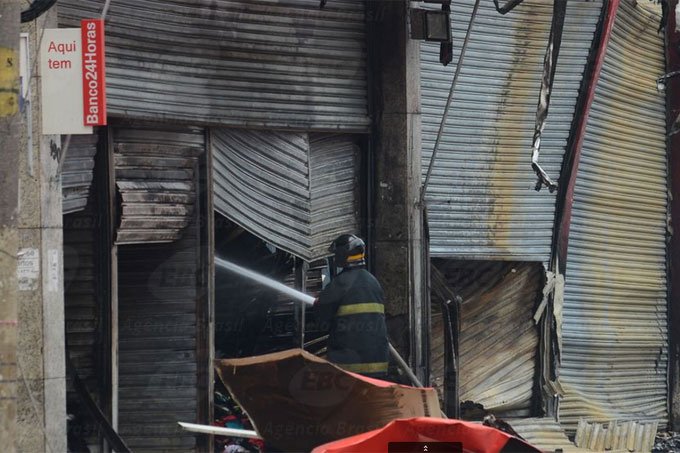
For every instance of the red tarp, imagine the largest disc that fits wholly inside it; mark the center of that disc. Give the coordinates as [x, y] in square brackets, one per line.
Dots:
[473, 438]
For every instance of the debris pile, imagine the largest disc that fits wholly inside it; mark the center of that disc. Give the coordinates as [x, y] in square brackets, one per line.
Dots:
[229, 414]
[667, 442]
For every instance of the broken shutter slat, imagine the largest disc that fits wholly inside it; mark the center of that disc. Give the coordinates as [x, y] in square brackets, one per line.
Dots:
[615, 339]
[294, 191]
[480, 198]
[156, 180]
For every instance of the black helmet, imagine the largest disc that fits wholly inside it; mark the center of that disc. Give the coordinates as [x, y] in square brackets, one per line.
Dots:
[349, 251]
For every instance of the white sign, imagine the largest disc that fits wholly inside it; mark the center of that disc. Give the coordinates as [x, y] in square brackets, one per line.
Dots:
[24, 66]
[28, 269]
[53, 271]
[61, 68]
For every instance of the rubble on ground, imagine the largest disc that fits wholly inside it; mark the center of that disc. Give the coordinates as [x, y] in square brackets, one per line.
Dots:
[667, 442]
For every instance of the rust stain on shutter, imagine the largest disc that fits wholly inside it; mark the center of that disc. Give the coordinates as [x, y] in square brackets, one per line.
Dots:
[517, 108]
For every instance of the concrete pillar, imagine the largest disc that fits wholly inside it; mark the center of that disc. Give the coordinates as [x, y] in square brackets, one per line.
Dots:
[41, 346]
[397, 240]
[9, 143]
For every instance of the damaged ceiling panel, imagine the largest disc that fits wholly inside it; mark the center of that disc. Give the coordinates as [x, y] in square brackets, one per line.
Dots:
[78, 171]
[156, 178]
[615, 357]
[498, 341]
[293, 190]
[481, 198]
[243, 63]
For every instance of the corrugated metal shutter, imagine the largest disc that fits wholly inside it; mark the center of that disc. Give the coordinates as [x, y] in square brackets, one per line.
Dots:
[156, 179]
[157, 343]
[265, 63]
[614, 363]
[545, 434]
[498, 340]
[77, 172]
[157, 300]
[294, 191]
[335, 192]
[82, 310]
[481, 198]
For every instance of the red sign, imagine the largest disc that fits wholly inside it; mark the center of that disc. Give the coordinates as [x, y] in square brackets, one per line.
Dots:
[94, 81]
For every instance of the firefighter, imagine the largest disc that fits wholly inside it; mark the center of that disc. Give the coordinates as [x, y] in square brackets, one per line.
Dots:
[352, 309]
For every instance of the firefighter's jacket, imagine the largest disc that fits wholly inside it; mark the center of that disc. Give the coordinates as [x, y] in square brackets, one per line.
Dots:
[352, 309]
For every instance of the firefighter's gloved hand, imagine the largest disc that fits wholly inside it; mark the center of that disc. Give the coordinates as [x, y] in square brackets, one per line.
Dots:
[316, 302]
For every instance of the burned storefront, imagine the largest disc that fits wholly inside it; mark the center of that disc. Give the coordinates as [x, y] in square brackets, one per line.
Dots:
[237, 132]
[280, 199]
[136, 284]
[522, 325]
[240, 130]
[490, 232]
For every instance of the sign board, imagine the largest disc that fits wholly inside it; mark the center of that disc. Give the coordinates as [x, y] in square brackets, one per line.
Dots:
[24, 67]
[61, 62]
[28, 269]
[94, 82]
[73, 79]
[53, 270]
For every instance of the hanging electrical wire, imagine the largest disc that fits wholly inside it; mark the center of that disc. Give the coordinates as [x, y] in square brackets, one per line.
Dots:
[509, 6]
[37, 9]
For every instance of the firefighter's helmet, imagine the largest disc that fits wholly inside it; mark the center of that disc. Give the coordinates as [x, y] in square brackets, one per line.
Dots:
[349, 251]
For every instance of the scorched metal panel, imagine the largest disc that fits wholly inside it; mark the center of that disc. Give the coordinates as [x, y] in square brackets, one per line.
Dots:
[498, 339]
[158, 364]
[615, 358]
[156, 177]
[264, 63]
[481, 199]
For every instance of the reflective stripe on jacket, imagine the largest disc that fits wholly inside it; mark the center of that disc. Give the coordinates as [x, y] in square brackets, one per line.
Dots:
[352, 310]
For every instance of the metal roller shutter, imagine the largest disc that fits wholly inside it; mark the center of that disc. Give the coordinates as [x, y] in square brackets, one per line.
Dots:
[82, 310]
[334, 190]
[498, 339]
[295, 191]
[158, 295]
[77, 173]
[264, 63]
[614, 362]
[481, 198]
[156, 172]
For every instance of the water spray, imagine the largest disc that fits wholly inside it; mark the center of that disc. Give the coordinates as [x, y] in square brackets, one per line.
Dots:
[307, 300]
[265, 281]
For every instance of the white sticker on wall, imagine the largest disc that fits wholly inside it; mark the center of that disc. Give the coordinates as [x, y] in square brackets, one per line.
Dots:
[28, 269]
[53, 271]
